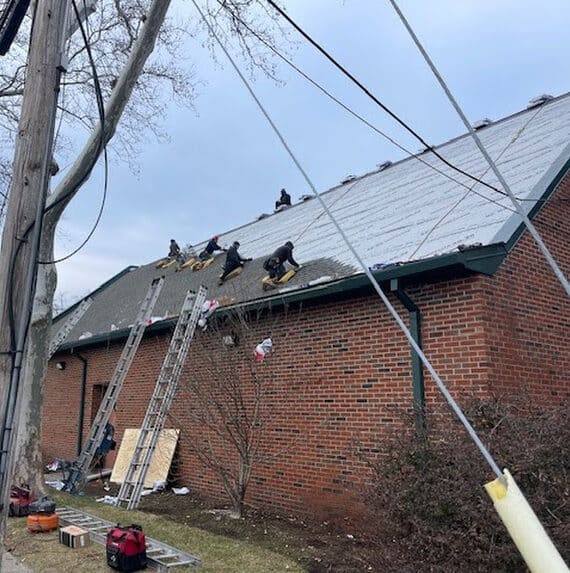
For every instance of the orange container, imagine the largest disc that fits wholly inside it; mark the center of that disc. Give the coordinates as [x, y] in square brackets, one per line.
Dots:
[41, 522]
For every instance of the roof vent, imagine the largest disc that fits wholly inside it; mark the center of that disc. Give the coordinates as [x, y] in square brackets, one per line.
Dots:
[539, 100]
[348, 179]
[306, 197]
[385, 165]
[262, 216]
[482, 123]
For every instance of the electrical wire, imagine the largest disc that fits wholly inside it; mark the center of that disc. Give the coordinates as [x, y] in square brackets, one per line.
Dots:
[387, 110]
[525, 219]
[470, 190]
[101, 145]
[442, 387]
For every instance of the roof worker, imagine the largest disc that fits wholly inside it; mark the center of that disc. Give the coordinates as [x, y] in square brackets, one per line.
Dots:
[275, 264]
[285, 199]
[233, 261]
[174, 250]
[211, 247]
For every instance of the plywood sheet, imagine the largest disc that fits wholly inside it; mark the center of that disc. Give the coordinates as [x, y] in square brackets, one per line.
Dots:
[161, 459]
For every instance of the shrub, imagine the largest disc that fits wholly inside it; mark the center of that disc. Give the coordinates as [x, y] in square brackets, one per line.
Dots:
[427, 500]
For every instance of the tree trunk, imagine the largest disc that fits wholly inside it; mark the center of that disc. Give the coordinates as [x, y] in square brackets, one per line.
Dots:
[28, 464]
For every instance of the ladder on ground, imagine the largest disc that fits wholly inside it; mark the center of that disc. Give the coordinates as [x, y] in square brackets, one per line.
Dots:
[160, 557]
[166, 385]
[68, 326]
[99, 425]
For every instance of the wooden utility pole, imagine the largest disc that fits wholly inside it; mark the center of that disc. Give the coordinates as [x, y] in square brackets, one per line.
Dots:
[22, 228]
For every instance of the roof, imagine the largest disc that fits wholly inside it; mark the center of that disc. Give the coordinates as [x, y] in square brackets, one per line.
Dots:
[405, 214]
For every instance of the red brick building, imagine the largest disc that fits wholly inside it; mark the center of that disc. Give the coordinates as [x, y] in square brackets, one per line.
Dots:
[466, 275]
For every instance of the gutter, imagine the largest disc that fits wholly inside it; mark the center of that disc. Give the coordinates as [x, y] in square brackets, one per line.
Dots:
[418, 387]
[472, 260]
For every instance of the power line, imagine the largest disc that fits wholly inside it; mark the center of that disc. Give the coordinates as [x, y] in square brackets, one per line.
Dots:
[101, 145]
[372, 126]
[392, 114]
[355, 114]
[470, 189]
[453, 404]
[386, 109]
[550, 259]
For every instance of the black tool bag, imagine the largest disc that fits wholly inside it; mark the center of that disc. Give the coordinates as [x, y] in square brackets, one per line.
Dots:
[44, 505]
[126, 548]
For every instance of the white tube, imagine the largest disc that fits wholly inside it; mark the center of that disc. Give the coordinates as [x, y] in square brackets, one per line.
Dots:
[525, 529]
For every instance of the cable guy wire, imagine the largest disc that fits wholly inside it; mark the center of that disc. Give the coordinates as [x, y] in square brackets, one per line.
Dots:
[454, 406]
[550, 259]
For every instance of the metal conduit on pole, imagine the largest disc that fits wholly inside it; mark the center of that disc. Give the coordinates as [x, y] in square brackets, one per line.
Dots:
[550, 259]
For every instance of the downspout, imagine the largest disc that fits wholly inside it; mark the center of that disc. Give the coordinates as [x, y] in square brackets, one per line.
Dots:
[81, 403]
[418, 389]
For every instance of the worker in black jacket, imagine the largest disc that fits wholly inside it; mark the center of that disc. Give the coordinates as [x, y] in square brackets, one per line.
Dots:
[233, 261]
[285, 199]
[211, 247]
[174, 250]
[276, 262]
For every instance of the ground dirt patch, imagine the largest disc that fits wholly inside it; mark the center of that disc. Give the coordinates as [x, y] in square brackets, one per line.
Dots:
[317, 546]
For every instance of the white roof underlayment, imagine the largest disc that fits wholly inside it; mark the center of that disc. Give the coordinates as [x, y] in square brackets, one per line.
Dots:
[410, 212]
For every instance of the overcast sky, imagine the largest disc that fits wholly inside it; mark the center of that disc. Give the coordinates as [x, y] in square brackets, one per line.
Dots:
[223, 166]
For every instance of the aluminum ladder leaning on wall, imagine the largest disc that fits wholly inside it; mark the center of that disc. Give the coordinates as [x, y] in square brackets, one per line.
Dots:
[98, 427]
[68, 325]
[166, 385]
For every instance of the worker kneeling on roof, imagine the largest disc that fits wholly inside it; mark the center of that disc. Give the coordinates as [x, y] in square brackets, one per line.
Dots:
[233, 261]
[275, 264]
[285, 199]
[174, 251]
[211, 247]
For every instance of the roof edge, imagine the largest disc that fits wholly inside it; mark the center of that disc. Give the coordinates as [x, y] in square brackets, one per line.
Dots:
[553, 177]
[100, 288]
[476, 260]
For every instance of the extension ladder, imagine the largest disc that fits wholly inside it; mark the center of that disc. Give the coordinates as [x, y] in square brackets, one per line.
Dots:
[68, 326]
[160, 557]
[164, 391]
[98, 427]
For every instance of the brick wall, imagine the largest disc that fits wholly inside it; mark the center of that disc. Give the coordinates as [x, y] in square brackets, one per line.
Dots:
[340, 374]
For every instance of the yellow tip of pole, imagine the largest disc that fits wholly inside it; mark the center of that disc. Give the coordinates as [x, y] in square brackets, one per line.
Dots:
[527, 532]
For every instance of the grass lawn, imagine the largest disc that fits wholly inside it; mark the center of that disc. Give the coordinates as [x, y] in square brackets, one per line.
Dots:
[44, 554]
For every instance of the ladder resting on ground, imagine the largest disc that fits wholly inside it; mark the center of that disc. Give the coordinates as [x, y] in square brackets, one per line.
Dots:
[161, 557]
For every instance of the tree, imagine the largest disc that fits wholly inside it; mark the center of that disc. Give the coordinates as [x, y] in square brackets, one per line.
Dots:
[123, 36]
[226, 398]
[112, 32]
[231, 401]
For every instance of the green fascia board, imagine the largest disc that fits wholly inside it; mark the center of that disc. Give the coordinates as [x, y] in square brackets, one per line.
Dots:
[548, 192]
[479, 260]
